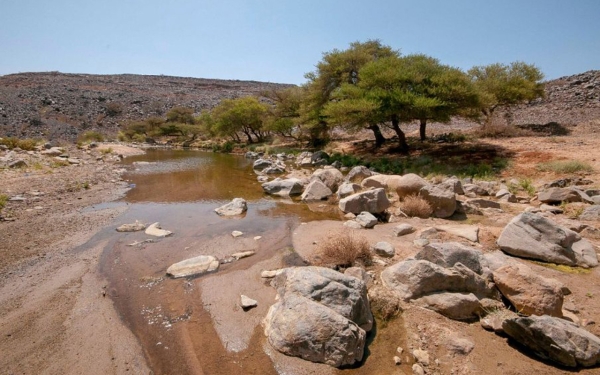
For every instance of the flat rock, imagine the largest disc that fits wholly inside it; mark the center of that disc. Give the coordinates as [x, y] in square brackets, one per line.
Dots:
[133, 227]
[316, 191]
[236, 207]
[283, 188]
[384, 249]
[483, 203]
[591, 213]
[403, 229]
[352, 224]
[194, 266]
[447, 254]
[247, 303]
[559, 195]
[373, 201]
[457, 306]
[469, 232]
[366, 220]
[156, 231]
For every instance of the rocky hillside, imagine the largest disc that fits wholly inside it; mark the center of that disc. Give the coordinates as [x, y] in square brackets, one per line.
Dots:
[59, 106]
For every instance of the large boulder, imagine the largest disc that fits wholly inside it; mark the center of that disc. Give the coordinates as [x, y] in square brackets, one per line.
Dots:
[442, 200]
[260, 164]
[388, 182]
[529, 235]
[410, 184]
[447, 254]
[454, 184]
[457, 306]
[412, 279]
[591, 213]
[283, 188]
[316, 191]
[358, 173]
[559, 195]
[331, 177]
[555, 339]
[374, 201]
[528, 292]
[236, 207]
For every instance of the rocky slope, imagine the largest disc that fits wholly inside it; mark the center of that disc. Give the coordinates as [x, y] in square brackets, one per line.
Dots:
[60, 106]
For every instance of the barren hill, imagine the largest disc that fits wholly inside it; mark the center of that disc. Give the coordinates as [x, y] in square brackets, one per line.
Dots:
[59, 106]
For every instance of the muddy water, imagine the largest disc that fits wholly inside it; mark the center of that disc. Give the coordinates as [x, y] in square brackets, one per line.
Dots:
[195, 325]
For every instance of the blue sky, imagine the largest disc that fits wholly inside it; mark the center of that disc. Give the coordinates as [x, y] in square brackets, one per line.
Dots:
[279, 40]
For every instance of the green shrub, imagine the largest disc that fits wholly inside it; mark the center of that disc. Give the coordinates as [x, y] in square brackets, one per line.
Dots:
[3, 200]
[565, 166]
[24, 144]
[90, 136]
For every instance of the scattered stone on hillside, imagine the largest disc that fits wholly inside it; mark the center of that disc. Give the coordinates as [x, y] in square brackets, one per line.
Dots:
[457, 306]
[347, 189]
[475, 189]
[274, 169]
[403, 229]
[54, 151]
[410, 184]
[555, 339]
[194, 266]
[552, 209]
[243, 254]
[529, 235]
[246, 303]
[358, 173]
[283, 188]
[421, 356]
[384, 249]
[133, 227]
[443, 201]
[268, 274]
[331, 177]
[467, 208]
[469, 232]
[506, 196]
[483, 203]
[373, 201]
[156, 231]
[591, 213]
[528, 292]
[236, 207]
[559, 195]
[366, 220]
[316, 191]
[447, 254]
[494, 319]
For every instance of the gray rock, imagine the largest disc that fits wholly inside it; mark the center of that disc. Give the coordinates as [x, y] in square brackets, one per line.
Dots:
[331, 177]
[366, 220]
[194, 266]
[54, 151]
[442, 201]
[358, 173]
[412, 279]
[134, 227]
[373, 201]
[247, 303]
[236, 207]
[559, 195]
[410, 184]
[384, 249]
[261, 164]
[283, 188]
[552, 209]
[347, 189]
[352, 224]
[375, 181]
[555, 339]
[454, 184]
[457, 306]
[274, 169]
[447, 254]
[421, 356]
[532, 236]
[475, 189]
[156, 231]
[459, 345]
[591, 213]
[469, 232]
[315, 191]
[483, 203]
[530, 293]
[403, 229]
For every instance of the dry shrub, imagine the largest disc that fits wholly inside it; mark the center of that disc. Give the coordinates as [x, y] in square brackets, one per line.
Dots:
[498, 130]
[385, 305]
[416, 206]
[344, 249]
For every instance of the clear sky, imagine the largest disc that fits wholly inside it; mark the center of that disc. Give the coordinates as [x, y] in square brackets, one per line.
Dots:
[280, 40]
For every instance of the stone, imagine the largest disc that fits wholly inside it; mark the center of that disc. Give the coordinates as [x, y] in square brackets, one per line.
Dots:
[469, 232]
[236, 233]
[260, 164]
[528, 292]
[366, 220]
[506, 196]
[134, 227]
[591, 213]
[384, 249]
[403, 229]
[559, 195]
[467, 208]
[315, 191]
[247, 303]
[331, 177]
[459, 345]
[483, 203]
[388, 182]
[442, 201]
[410, 184]
[421, 356]
[552, 209]
[454, 184]
[347, 189]
[236, 207]
[397, 360]
[358, 173]
[447, 254]
[555, 339]
[532, 236]
[457, 306]
[417, 369]
[357, 272]
[269, 274]
[274, 169]
[194, 266]
[352, 224]
[156, 231]
[373, 201]
[243, 254]
[411, 279]
[53, 151]
[283, 188]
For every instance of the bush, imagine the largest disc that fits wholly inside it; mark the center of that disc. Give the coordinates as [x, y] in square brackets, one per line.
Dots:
[415, 206]
[495, 130]
[114, 109]
[3, 200]
[24, 144]
[565, 166]
[385, 304]
[343, 249]
[90, 136]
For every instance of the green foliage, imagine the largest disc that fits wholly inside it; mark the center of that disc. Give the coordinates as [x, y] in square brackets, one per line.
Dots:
[283, 117]
[524, 184]
[182, 115]
[90, 136]
[26, 144]
[242, 115]
[3, 200]
[501, 85]
[565, 166]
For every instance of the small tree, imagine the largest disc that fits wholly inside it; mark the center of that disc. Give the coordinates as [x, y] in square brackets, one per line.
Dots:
[501, 85]
[244, 115]
[182, 115]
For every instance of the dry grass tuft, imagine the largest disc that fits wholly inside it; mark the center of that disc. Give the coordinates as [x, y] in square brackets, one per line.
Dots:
[498, 130]
[565, 166]
[344, 249]
[415, 206]
[385, 305]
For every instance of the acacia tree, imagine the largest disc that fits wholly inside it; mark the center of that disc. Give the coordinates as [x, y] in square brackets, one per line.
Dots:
[283, 117]
[337, 68]
[244, 115]
[503, 85]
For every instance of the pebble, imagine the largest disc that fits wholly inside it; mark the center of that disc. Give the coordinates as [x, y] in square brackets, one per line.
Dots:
[237, 233]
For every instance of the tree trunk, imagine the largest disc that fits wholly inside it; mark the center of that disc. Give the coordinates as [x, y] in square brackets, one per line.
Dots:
[422, 128]
[401, 135]
[379, 138]
[248, 135]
